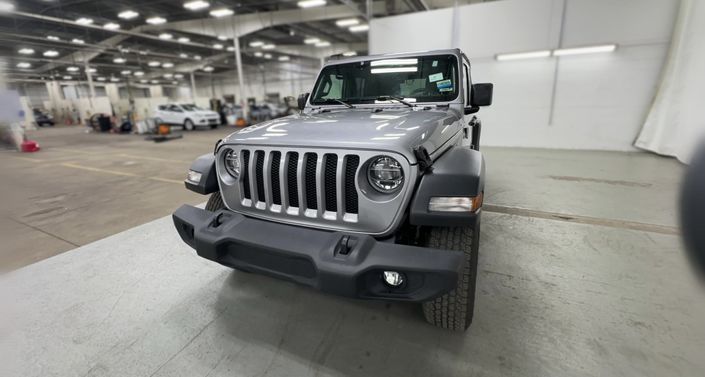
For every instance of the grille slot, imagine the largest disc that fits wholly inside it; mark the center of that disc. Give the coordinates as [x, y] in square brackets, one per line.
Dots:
[259, 175]
[291, 179]
[246, 174]
[329, 176]
[310, 185]
[351, 164]
[276, 190]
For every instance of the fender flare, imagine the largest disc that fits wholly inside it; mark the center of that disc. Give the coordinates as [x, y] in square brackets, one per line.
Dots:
[460, 171]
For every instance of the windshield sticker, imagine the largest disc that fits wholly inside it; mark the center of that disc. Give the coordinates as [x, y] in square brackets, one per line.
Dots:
[435, 64]
[435, 77]
[445, 86]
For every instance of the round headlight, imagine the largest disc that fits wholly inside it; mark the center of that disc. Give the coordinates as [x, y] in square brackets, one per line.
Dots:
[385, 174]
[232, 163]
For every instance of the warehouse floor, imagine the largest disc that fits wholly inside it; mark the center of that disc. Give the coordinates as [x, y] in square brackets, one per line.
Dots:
[581, 272]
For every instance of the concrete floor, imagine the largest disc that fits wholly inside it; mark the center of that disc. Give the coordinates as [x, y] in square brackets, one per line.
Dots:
[581, 273]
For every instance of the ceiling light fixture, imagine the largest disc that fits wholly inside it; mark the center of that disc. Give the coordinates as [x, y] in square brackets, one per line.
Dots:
[24, 65]
[222, 38]
[311, 3]
[119, 60]
[154, 64]
[323, 44]
[68, 78]
[168, 75]
[359, 28]
[166, 36]
[524, 55]
[347, 22]
[284, 58]
[256, 44]
[111, 26]
[350, 53]
[167, 65]
[72, 69]
[26, 51]
[156, 20]
[258, 54]
[84, 21]
[223, 12]
[78, 41]
[178, 76]
[128, 14]
[139, 73]
[218, 46]
[115, 79]
[184, 40]
[311, 41]
[208, 69]
[231, 49]
[196, 5]
[91, 70]
[144, 81]
[6, 7]
[101, 79]
[197, 57]
[53, 38]
[51, 53]
[269, 46]
[183, 55]
[126, 73]
[584, 50]
[155, 81]
[267, 56]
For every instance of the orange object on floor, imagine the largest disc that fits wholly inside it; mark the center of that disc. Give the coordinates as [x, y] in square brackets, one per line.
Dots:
[30, 146]
[240, 122]
[164, 129]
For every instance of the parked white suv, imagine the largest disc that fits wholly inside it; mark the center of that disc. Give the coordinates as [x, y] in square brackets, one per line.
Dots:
[188, 116]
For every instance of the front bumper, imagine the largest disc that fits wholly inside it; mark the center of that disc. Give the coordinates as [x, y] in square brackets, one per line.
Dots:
[339, 263]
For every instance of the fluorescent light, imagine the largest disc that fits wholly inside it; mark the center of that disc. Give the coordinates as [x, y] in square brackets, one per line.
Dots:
[91, 70]
[156, 20]
[231, 49]
[393, 70]
[155, 81]
[168, 75]
[258, 54]
[78, 41]
[218, 46]
[311, 41]
[178, 76]
[154, 64]
[115, 79]
[126, 73]
[284, 58]
[384, 62]
[128, 14]
[359, 28]
[101, 79]
[323, 44]
[208, 69]
[524, 55]
[111, 26]
[72, 69]
[183, 55]
[197, 57]
[6, 6]
[84, 21]
[53, 38]
[139, 73]
[223, 12]
[144, 81]
[267, 56]
[196, 5]
[167, 65]
[584, 50]
[68, 78]
[347, 22]
[311, 3]
[174, 83]
[222, 38]
[26, 51]
[269, 46]
[51, 53]
[350, 53]
[256, 44]
[24, 65]
[165, 36]
[184, 40]
[119, 60]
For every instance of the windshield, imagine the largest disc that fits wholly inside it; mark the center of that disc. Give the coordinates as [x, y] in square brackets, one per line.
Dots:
[191, 107]
[416, 79]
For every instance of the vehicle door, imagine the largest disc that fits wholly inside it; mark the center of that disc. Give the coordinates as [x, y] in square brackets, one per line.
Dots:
[177, 115]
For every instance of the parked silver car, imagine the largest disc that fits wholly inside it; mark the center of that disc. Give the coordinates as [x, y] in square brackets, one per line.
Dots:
[373, 191]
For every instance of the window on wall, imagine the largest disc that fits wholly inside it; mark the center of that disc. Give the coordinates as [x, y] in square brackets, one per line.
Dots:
[136, 92]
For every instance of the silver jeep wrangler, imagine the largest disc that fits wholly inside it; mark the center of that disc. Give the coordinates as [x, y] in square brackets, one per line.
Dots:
[373, 191]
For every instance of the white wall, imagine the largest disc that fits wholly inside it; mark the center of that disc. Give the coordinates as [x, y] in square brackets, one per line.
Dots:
[601, 100]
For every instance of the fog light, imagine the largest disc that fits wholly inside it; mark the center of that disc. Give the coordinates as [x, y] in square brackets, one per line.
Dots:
[194, 176]
[393, 278]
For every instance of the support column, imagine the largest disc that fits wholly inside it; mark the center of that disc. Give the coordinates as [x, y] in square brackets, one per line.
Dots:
[240, 79]
[193, 87]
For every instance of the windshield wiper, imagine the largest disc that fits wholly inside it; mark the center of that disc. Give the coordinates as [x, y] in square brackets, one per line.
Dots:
[334, 100]
[395, 98]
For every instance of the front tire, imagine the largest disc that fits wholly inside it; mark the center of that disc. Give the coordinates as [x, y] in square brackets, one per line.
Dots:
[188, 125]
[454, 310]
[215, 202]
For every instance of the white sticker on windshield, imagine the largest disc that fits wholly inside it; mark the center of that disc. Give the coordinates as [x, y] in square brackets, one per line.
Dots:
[435, 63]
[435, 77]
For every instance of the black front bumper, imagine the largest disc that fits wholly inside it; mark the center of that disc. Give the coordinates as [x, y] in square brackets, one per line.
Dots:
[334, 262]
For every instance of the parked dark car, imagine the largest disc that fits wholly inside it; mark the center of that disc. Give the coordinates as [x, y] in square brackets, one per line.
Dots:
[42, 118]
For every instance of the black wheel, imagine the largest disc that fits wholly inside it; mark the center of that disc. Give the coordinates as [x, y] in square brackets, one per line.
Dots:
[454, 309]
[188, 125]
[214, 126]
[215, 202]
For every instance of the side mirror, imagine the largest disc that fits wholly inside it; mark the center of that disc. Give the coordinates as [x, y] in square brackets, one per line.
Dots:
[481, 95]
[302, 101]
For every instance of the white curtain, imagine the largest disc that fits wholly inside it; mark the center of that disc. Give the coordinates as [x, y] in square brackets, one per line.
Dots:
[676, 120]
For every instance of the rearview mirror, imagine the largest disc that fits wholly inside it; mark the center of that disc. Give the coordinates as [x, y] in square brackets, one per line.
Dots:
[302, 101]
[482, 94]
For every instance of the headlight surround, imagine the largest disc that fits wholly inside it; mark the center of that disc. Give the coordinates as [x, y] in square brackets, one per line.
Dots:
[231, 161]
[385, 174]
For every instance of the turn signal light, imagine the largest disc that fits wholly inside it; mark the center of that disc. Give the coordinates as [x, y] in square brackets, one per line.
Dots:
[455, 203]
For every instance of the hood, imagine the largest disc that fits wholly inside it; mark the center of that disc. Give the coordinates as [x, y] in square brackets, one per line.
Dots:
[208, 113]
[398, 130]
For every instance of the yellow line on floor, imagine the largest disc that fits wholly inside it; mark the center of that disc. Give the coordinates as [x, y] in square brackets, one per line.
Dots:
[151, 158]
[120, 173]
[74, 151]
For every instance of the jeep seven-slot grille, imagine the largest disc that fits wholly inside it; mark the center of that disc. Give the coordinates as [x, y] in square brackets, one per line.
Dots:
[303, 181]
